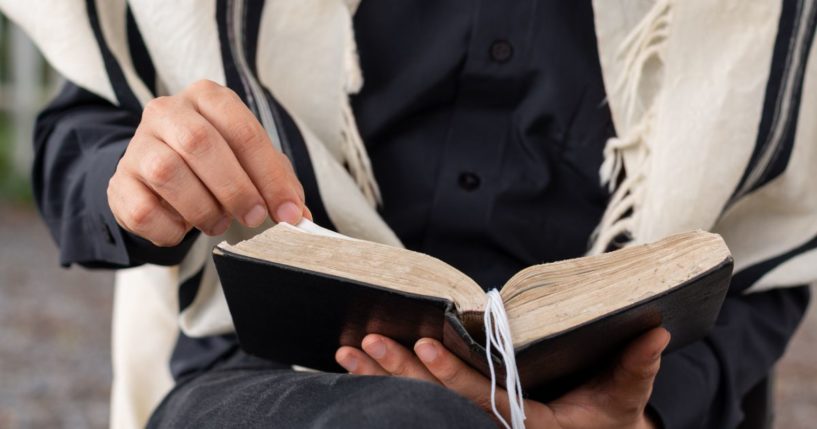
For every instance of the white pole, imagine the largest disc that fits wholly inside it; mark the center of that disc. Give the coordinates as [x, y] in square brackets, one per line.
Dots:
[25, 97]
[4, 86]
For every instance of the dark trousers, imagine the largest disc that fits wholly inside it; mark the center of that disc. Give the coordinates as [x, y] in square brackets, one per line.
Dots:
[247, 392]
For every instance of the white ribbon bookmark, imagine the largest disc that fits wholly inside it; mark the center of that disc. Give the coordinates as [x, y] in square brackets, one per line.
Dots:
[498, 335]
[307, 225]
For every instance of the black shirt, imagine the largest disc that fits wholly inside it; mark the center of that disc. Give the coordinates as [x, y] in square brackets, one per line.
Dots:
[485, 122]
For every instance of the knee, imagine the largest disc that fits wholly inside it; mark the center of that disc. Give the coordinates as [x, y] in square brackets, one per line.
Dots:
[403, 403]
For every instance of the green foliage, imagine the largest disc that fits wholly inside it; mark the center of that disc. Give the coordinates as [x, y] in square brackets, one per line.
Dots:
[13, 187]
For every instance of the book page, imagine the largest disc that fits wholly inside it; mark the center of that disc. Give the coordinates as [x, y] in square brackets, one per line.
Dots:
[550, 298]
[312, 248]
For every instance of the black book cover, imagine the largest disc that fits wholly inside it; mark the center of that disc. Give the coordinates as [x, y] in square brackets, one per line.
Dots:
[293, 316]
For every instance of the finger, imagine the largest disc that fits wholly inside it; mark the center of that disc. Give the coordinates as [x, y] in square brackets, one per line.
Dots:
[140, 211]
[631, 382]
[395, 359]
[288, 165]
[454, 374]
[174, 122]
[269, 169]
[166, 173]
[357, 362]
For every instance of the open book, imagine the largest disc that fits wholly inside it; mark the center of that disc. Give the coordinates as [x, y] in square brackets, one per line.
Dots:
[298, 293]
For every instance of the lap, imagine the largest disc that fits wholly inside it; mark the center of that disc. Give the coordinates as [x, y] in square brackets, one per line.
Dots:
[248, 392]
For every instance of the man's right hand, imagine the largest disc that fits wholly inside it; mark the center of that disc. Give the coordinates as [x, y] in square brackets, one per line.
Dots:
[199, 159]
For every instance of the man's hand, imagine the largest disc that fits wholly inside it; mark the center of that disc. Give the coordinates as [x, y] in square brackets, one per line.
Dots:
[200, 159]
[614, 400]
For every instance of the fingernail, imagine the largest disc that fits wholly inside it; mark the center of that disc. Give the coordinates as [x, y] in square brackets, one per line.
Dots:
[426, 351]
[349, 363]
[255, 216]
[221, 226]
[288, 212]
[376, 349]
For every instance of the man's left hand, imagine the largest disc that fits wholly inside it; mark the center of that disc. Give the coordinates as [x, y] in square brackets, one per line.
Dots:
[616, 399]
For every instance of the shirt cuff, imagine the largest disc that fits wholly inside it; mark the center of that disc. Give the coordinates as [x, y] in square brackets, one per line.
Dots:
[142, 251]
[102, 245]
[109, 245]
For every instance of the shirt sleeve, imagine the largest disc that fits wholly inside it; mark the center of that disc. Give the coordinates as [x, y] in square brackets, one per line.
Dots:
[702, 385]
[78, 141]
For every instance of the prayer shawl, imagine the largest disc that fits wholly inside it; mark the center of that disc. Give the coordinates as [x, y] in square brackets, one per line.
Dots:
[714, 103]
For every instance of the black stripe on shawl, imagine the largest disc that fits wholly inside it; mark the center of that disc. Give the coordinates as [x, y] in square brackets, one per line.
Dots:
[121, 89]
[253, 10]
[232, 75]
[301, 162]
[791, 23]
[189, 288]
[192, 355]
[139, 54]
[746, 277]
[292, 143]
[252, 25]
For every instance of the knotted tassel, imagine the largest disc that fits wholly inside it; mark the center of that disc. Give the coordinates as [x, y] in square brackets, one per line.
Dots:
[498, 335]
[357, 159]
[627, 155]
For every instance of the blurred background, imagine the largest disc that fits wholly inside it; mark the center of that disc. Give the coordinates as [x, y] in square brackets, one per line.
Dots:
[55, 369]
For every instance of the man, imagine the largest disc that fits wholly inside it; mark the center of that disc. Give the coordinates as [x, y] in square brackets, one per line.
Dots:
[485, 124]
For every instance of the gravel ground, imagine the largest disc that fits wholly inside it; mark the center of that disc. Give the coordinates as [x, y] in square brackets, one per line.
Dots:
[54, 339]
[55, 366]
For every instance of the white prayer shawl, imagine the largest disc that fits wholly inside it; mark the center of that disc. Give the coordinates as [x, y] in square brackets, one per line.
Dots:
[710, 134]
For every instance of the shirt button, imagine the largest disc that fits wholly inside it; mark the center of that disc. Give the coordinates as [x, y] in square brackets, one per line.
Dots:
[501, 51]
[468, 181]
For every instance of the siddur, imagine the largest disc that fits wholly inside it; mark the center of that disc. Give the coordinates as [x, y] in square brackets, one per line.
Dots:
[297, 293]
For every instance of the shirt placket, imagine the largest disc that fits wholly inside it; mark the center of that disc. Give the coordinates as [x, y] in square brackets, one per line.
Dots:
[481, 121]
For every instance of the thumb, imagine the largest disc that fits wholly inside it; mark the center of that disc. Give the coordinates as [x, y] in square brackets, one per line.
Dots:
[630, 385]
